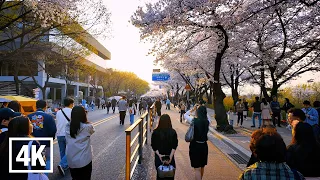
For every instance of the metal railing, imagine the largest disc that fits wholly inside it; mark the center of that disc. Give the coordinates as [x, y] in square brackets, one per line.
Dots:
[141, 136]
[152, 114]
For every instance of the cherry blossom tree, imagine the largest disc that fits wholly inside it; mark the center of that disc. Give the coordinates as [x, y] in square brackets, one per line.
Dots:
[283, 43]
[182, 25]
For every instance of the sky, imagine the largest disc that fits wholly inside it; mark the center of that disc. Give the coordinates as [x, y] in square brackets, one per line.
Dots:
[129, 54]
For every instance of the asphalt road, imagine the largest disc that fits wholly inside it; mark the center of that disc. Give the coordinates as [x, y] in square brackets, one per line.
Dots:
[108, 144]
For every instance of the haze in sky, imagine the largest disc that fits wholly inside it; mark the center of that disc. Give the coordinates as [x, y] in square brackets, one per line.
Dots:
[127, 52]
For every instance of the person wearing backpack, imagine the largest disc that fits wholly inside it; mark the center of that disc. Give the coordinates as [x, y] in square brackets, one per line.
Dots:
[256, 112]
[62, 118]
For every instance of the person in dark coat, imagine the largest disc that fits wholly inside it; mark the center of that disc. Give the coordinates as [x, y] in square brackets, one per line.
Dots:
[276, 110]
[198, 148]
[286, 106]
[158, 106]
[44, 125]
[113, 104]
[164, 142]
[108, 104]
[303, 152]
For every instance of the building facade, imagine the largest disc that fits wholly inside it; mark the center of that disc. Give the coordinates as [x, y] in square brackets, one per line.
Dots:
[57, 87]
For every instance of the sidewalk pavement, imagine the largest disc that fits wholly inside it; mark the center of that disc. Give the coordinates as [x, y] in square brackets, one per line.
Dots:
[219, 165]
[241, 141]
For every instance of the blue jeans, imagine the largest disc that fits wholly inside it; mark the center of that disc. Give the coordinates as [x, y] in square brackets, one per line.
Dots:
[62, 146]
[254, 115]
[131, 119]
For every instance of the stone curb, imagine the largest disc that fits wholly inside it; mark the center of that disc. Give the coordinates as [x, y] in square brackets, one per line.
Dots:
[239, 149]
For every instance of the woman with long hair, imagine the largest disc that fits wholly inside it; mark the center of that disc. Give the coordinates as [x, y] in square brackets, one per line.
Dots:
[18, 127]
[164, 142]
[79, 154]
[265, 112]
[303, 152]
[198, 148]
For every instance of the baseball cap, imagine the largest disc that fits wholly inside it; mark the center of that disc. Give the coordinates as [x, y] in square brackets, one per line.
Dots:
[7, 113]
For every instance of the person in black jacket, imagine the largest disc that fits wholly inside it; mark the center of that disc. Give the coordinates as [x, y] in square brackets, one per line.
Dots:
[158, 106]
[198, 148]
[287, 105]
[164, 142]
[303, 152]
[276, 110]
[256, 112]
[18, 127]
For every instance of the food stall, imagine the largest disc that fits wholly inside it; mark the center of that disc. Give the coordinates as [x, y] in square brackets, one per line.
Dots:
[28, 105]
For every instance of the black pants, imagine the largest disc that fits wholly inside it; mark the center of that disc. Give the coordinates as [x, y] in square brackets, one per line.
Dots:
[182, 112]
[113, 108]
[274, 115]
[108, 108]
[122, 116]
[83, 173]
[240, 117]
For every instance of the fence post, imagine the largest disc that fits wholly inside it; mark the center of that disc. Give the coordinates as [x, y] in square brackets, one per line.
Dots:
[128, 154]
[147, 129]
[140, 140]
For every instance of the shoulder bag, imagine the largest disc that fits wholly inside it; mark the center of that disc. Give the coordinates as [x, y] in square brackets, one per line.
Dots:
[190, 133]
[65, 115]
[34, 176]
[166, 171]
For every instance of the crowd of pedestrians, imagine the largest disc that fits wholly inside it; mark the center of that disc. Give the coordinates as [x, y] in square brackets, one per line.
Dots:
[71, 128]
[270, 158]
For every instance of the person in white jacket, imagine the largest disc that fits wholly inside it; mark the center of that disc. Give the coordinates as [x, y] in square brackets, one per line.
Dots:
[62, 118]
[189, 115]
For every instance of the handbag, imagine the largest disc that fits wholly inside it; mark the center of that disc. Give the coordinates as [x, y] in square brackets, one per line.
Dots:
[166, 171]
[190, 133]
[35, 176]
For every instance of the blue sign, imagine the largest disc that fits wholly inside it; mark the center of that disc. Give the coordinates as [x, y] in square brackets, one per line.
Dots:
[160, 77]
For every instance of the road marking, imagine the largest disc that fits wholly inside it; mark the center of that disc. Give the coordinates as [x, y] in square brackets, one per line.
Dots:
[96, 123]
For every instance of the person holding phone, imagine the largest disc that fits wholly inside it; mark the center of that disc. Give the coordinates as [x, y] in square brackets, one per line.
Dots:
[164, 142]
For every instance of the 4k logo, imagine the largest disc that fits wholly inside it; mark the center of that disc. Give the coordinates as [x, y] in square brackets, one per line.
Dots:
[30, 155]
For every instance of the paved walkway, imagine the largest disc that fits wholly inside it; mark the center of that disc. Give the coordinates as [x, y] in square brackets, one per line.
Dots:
[219, 166]
[243, 136]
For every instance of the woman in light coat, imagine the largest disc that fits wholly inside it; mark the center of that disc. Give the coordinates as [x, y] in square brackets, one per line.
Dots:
[266, 112]
[79, 151]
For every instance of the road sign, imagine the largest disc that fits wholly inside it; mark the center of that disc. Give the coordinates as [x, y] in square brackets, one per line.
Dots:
[160, 76]
[156, 70]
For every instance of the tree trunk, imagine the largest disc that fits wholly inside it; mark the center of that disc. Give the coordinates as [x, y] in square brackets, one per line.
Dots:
[44, 97]
[235, 95]
[16, 81]
[221, 115]
[274, 90]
